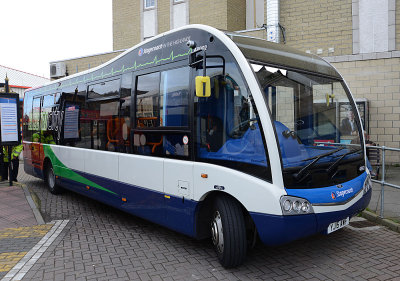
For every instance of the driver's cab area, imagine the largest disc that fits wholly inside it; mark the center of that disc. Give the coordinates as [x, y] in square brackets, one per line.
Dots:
[227, 123]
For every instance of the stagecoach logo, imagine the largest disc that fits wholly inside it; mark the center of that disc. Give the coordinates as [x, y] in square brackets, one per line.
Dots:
[170, 44]
[140, 53]
[342, 193]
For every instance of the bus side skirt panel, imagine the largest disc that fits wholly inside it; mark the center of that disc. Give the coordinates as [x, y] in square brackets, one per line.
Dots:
[172, 212]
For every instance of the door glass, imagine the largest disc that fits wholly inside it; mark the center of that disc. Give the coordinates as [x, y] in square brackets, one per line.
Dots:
[174, 97]
[47, 136]
[228, 126]
[147, 101]
[36, 119]
[162, 103]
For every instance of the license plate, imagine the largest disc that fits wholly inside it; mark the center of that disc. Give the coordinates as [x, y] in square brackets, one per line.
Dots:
[338, 225]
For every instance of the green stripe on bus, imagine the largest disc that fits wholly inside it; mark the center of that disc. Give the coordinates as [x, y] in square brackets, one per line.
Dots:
[63, 171]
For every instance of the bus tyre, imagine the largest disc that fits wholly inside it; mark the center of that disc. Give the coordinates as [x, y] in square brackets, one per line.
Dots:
[228, 232]
[51, 180]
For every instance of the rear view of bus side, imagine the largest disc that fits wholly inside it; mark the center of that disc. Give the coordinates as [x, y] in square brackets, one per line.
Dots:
[209, 134]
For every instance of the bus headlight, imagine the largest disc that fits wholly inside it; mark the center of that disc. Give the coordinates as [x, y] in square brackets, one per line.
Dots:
[367, 184]
[295, 206]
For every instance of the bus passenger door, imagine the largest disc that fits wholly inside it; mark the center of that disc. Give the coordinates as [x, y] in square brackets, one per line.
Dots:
[178, 167]
[36, 135]
[163, 132]
[178, 193]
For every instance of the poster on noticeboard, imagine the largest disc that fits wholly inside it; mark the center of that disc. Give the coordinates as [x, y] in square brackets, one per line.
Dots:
[9, 119]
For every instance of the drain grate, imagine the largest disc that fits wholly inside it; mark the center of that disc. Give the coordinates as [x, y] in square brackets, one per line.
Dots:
[362, 224]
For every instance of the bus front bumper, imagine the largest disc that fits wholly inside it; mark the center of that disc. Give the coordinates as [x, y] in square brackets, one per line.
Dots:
[275, 230]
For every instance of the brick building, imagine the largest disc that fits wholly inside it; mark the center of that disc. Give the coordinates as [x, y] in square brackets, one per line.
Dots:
[361, 38]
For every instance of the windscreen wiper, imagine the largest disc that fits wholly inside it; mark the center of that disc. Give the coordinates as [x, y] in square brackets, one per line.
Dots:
[336, 163]
[299, 176]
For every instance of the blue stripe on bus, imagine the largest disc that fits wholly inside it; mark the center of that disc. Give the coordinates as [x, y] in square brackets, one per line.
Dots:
[175, 213]
[331, 194]
[276, 230]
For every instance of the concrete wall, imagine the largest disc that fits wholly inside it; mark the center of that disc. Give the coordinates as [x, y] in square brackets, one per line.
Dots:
[378, 80]
[236, 10]
[163, 12]
[319, 24]
[84, 63]
[209, 12]
[397, 27]
[126, 23]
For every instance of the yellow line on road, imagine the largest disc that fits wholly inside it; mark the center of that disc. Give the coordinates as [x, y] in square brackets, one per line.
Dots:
[8, 260]
[25, 232]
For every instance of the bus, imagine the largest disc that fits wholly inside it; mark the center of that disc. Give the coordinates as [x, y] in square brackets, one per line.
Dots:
[210, 134]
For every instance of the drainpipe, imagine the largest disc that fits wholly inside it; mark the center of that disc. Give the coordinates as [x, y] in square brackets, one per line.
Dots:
[273, 27]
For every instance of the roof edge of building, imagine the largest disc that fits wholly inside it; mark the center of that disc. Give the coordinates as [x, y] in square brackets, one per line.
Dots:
[24, 72]
[92, 55]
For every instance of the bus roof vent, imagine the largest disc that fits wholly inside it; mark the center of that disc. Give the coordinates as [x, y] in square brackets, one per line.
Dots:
[57, 69]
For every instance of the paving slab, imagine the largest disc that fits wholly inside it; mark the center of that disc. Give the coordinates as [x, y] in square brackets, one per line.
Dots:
[103, 243]
[15, 211]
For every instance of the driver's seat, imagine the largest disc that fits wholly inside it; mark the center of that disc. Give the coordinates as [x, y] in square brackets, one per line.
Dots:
[214, 136]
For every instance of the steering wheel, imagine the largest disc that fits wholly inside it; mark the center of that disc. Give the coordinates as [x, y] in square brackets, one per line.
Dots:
[234, 133]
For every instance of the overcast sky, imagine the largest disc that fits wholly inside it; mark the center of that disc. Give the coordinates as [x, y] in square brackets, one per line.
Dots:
[34, 33]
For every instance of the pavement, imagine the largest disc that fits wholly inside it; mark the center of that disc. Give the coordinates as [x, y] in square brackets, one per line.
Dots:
[391, 195]
[76, 238]
[24, 235]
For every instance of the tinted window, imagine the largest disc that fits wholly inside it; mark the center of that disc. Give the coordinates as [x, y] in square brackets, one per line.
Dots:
[174, 97]
[27, 117]
[35, 120]
[147, 100]
[122, 127]
[104, 89]
[162, 104]
[227, 123]
[96, 118]
[47, 134]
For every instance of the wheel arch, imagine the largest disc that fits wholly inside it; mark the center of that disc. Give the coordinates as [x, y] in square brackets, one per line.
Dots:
[204, 213]
[46, 163]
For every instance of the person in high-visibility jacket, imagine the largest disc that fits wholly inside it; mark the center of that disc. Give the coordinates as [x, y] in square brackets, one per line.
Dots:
[15, 152]
[43, 137]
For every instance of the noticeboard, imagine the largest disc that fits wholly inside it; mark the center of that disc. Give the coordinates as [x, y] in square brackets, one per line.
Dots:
[9, 119]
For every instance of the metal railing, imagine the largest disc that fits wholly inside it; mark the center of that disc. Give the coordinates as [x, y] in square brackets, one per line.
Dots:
[382, 181]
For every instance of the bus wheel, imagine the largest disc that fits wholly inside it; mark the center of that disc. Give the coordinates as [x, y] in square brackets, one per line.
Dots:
[228, 232]
[51, 180]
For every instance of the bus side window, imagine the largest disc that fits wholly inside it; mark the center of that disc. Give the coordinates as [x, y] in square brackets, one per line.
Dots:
[27, 117]
[162, 104]
[47, 135]
[147, 114]
[124, 122]
[118, 125]
[75, 126]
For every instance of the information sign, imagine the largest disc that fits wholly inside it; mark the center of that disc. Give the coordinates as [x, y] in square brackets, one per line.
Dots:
[9, 119]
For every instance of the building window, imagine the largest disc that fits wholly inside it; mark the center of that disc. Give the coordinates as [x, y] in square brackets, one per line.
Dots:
[148, 4]
[373, 26]
[179, 13]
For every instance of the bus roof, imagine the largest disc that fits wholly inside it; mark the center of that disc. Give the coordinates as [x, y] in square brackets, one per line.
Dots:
[252, 48]
[280, 55]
